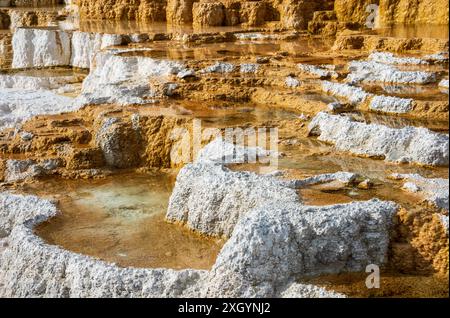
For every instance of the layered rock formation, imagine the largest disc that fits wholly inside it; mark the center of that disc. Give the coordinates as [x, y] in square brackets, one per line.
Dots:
[150, 10]
[325, 17]
[179, 11]
[353, 10]
[414, 12]
[291, 13]
[393, 11]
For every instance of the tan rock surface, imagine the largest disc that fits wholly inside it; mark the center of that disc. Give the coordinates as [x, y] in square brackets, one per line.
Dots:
[208, 14]
[179, 11]
[394, 11]
[414, 12]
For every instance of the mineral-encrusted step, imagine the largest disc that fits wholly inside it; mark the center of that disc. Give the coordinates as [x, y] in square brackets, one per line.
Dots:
[406, 145]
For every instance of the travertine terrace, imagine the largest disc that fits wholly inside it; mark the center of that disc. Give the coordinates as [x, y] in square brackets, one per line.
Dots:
[118, 177]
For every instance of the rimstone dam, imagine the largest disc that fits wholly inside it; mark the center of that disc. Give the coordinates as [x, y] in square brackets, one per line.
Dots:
[223, 148]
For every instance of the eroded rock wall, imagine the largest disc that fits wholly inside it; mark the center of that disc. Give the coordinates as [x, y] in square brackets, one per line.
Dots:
[353, 10]
[294, 14]
[153, 10]
[394, 11]
[179, 11]
[414, 11]
[290, 13]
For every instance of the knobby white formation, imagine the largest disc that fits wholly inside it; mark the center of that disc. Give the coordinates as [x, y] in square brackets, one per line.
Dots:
[125, 79]
[116, 78]
[308, 291]
[26, 260]
[403, 89]
[210, 198]
[274, 240]
[362, 71]
[378, 103]
[444, 220]
[389, 104]
[440, 57]
[317, 71]
[406, 145]
[277, 243]
[219, 67]
[40, 48]
[254, 36]
[344, 178]
[119, 79]
[23, 81]
[52, 47]
[435, 191]
[17, 209]
[291, 82]
[85, 45]
[18, 105]
[354, 94]
[19, 170]
[116, 149]
[249, 68]
[390, 58]
[225, 152]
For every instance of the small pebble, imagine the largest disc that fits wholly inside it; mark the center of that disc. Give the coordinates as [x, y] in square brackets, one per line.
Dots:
[26, 136]
[366, 184]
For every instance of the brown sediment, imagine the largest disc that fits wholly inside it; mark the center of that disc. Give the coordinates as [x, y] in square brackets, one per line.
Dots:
[311, 196]
[326, 194]
[392, 285]
[2, 170]
[420, 242]
[6, 53]
[431, 110]
[288, 100]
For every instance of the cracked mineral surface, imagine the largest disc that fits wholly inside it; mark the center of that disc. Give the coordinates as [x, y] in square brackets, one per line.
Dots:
[221, 148]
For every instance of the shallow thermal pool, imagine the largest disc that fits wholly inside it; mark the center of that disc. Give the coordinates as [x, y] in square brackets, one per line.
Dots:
[120, 219]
